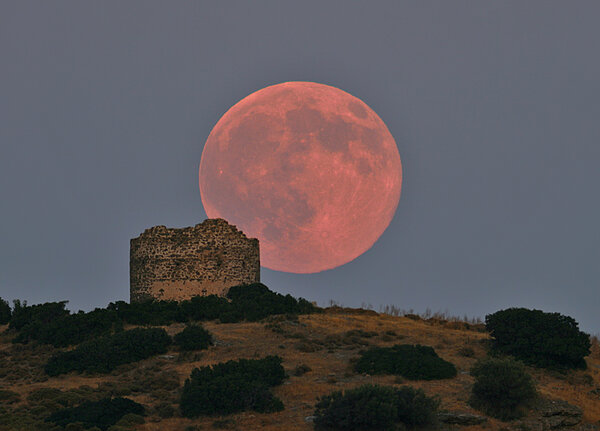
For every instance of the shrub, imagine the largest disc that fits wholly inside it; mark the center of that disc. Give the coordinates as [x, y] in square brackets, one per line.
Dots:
[71, 328]
[248, 302]
[5, 312]
[548, 340]
[373, 407]
[193, 337]
[101, 414]
[45, 313]
[151, 312]
[233, 386]
[502, 387]
[104, 354]
[51, 323]
[255, 302]
[413, 362]
[209, 307]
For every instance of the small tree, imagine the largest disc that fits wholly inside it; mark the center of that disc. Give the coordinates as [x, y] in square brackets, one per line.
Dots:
[5, 312]
[373, 407]
[548, 340]
[233, 386]
[104, 354]
[502, 388]
[414, 362]
[45, 313]
[101, 414]
[193, 337]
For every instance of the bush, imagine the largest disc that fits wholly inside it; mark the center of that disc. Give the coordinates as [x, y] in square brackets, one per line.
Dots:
[5, 312]
[255, 301]
[101, 414]
[502, 387]
[209, 307]
[71, 328]
[247, 302]
[193, 337]
[104, 354]
[45, 313]
[151, 312]
[51, 323]
[233, 386]
[413, 362]
[548, 340]
[373, 407]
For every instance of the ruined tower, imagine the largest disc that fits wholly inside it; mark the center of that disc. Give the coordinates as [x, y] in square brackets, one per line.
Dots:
[205, 259]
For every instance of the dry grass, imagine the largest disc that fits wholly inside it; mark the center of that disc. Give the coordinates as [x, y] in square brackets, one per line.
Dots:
[595, 339]
[428, 314]
[338, 335]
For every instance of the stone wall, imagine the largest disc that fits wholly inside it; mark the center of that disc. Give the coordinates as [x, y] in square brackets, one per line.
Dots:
[205, 259]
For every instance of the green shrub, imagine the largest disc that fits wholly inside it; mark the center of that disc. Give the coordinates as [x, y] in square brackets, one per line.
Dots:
[233, 386]
[255, 301]
[413, 362]
[5, 312]
[104, 354]
[548, 340]
[193, 337]
[101, 414]
[200, 308]
[51, 323]
[151, 312]
[502, 387]
[71, 329]
[45, 313]
[247, 302]
[373, 407]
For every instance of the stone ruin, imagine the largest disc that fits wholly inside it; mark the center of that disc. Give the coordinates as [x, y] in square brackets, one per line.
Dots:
[177, 264]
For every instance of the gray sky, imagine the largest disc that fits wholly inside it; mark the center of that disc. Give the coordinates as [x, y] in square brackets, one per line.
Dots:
[495, 107]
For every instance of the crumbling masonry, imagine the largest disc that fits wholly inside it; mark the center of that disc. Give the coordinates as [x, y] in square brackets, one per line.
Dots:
[205, 259]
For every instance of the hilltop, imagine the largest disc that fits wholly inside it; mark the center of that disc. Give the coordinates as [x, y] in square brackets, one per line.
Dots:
[318, 352]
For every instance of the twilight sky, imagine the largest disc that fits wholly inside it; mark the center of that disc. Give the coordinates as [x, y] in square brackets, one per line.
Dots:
[495, 107]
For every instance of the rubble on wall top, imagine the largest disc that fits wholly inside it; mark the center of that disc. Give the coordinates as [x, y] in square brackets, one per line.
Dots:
[161, 229]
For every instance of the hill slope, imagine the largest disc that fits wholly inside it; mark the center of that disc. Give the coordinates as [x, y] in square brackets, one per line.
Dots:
[317, 351]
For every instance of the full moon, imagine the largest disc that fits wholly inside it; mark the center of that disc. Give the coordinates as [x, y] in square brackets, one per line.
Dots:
[308, 169]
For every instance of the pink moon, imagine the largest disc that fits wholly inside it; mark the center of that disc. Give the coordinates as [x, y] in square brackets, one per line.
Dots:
[308, 169]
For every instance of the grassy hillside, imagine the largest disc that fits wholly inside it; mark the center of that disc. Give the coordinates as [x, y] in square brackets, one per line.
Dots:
[318, 354]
